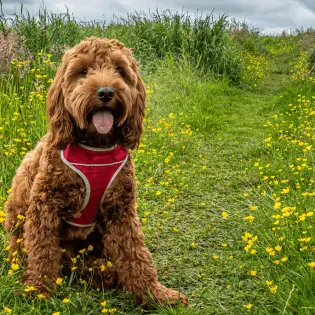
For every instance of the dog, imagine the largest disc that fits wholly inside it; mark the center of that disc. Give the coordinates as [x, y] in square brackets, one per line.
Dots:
[75, 193]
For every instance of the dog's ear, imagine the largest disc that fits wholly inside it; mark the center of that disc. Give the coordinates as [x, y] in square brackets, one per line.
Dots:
[59, 120]
[132, 127]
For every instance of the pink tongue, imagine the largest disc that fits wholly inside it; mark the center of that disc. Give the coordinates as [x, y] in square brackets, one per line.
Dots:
[103, 121]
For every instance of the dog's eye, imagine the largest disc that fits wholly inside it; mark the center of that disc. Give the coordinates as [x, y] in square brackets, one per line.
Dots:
[121, 71]
[84, 72]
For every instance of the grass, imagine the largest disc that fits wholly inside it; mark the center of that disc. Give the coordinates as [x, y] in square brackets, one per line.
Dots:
[209, 179]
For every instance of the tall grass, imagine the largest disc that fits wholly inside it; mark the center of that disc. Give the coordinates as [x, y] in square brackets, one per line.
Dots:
[161, 33]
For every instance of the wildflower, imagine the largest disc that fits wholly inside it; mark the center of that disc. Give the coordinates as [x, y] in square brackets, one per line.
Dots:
[253, 273]
[103, 303]
[248, 306]
[284, 259]
[249, 218]
[59, 281]
[253, 251]
[90, 248]
[7, 310]
[55, 313]
[269, 283]
[14, 266]
[82, 251]
[270, 251]
[277, 205]
[66, 300]
[41, 296]
[224, 215]
[273, 289]
[29, 288]
[312, 264]
[20, 217]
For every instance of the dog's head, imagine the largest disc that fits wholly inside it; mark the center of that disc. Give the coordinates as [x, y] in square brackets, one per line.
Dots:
[97, 96]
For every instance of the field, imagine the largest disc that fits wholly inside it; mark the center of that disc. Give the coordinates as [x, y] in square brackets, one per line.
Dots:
[225, 168]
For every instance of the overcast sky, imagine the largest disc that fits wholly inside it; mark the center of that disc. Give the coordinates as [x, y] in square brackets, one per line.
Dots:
[271, 15]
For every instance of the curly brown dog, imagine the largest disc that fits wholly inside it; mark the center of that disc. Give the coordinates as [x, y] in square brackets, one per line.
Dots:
[76, 189]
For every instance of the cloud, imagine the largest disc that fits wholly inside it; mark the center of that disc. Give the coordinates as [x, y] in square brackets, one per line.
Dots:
[269, 14]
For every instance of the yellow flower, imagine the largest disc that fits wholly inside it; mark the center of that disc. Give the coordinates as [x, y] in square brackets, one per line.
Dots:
[90, 248]
[253, 251]
[248, 306]
[273, 289]
[41, 296]
[269, 282]
[224, 215]
[284, 259]
[277, 205]
[278, 248]
[249, 218]
[14, 266]
[82, 251]
[253, 273]
[59, 281]
[109, 264]
[55, 313]
[74, 268]
[312, 264]
[103, 303]
[29, 288]
[66, 300]
[7, 310]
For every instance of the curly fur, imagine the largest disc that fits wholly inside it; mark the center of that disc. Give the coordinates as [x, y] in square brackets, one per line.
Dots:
[48, 193]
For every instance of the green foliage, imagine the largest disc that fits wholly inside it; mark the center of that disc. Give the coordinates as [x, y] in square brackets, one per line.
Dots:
[203, 39]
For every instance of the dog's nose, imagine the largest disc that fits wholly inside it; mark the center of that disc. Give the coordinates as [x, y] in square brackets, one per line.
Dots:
[105, 93]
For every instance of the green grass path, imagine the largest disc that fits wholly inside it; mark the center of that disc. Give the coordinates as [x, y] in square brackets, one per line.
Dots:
[211, 273]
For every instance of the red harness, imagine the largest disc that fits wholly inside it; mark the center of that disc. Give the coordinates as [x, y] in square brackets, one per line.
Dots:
[98, 168]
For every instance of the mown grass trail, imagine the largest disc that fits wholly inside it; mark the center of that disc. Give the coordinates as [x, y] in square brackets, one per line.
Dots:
[205, 254]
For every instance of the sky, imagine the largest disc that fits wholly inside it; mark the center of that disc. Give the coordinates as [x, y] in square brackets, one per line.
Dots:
[272, 16]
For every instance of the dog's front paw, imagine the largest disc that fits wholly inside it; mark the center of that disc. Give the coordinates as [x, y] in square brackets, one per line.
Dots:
[167, 296]
[32, 288]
